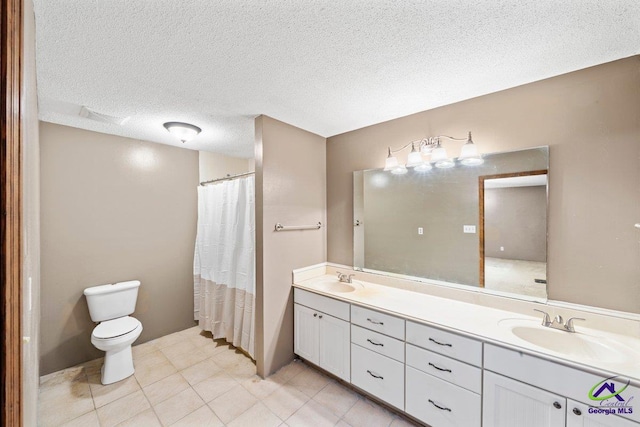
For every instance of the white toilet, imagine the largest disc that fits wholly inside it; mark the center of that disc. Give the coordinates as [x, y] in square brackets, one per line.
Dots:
[111, 305]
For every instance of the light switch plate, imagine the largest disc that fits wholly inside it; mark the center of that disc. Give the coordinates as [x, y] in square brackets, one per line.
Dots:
[469, 229]
[420, 231]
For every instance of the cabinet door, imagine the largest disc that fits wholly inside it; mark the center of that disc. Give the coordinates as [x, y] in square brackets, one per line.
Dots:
[509, 403]
[306, 339]
[578, 416]
[335, 346]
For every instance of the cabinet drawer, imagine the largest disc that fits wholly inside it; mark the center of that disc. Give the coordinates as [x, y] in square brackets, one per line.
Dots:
[378, 375]
[379, 343]
[330, 306]
[447, 343]
[379, 322]
[439, 403]
[445, 368]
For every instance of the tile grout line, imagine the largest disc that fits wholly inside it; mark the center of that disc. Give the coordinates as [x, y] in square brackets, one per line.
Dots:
[259, 401]
[95, 409]
[150, 405]
[94, 402]
[239, 378]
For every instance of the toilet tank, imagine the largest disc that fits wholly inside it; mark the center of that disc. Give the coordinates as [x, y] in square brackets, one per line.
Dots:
[108, 302]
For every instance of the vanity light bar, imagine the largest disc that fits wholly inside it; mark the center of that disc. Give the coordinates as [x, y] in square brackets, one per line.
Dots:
[432, 145]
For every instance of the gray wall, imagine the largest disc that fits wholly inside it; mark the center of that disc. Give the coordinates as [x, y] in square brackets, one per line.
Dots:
[290, 189]
[214, 165]
[590, 120]
[441, 201]
[113, 209]
[516, 219]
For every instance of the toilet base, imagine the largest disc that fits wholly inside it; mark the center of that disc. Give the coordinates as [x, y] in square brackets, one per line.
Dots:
[118, 365]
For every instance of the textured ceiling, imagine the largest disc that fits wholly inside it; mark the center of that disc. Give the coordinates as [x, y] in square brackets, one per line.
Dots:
[326, 66]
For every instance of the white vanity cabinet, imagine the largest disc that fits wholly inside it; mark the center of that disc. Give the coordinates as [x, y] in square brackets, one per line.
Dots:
[548, 393]
[445, 378]
[512, 403]
[578, 416]
[322, 332]
[378, 375]
[443, 388]
[377, 354]
[306, 338]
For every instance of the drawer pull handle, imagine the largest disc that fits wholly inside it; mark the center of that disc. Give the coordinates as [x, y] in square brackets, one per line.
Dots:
[577, 411]
[440, 343]
[439, 368]
[557, 405]
[442, 408]
[375, 343]
[320, 316]
[374, 375]
[315, 314]
[375, 322]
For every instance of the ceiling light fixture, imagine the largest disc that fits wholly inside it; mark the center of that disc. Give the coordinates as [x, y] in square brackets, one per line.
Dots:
[432, 145]
[183, 131]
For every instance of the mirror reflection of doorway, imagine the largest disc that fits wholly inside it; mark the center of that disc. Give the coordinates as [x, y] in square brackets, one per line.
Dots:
[513, 232]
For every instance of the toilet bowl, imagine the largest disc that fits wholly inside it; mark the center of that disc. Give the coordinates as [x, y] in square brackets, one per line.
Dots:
[115, 337]
[110, 306]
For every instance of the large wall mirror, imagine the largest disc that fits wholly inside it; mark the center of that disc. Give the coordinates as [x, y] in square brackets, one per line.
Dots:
[483, 226]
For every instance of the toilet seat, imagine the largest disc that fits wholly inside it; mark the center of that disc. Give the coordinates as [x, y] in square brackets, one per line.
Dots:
[115, 328]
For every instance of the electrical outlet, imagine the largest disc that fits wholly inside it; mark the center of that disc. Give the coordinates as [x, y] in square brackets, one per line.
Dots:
[501, 248]
[469, 229]
[420, 231]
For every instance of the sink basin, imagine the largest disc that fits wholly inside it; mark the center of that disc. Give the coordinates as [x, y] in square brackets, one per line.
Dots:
[577, 344]
[334, 285]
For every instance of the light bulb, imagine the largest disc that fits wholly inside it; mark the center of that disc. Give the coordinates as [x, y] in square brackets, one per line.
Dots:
[423, 167]
[391, 162]
[469, 155]
[426, 149]
[445, 164]
[472, 161]
[399, 170]
[438, 154]
[415, 158]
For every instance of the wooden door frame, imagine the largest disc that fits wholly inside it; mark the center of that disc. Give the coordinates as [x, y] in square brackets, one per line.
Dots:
[11, 222]
[481, 180]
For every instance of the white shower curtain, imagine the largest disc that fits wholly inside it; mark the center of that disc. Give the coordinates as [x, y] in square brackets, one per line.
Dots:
[224, 262]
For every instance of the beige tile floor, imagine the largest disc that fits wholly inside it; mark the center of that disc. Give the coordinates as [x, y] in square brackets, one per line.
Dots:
[188, 379]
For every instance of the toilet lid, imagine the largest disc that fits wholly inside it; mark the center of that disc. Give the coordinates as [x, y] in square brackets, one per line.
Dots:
[116, 327]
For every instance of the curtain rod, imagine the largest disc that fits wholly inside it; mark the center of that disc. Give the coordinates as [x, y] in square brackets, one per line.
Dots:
[226, 178]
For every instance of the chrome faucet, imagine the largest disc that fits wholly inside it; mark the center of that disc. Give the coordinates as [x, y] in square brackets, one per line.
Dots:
[345, 278]
[558, 322]
[569, 325]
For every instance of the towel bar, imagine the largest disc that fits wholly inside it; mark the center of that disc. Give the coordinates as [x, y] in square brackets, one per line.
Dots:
[280, 227]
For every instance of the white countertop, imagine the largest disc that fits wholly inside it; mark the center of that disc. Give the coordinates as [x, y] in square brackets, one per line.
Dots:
[483, 323]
